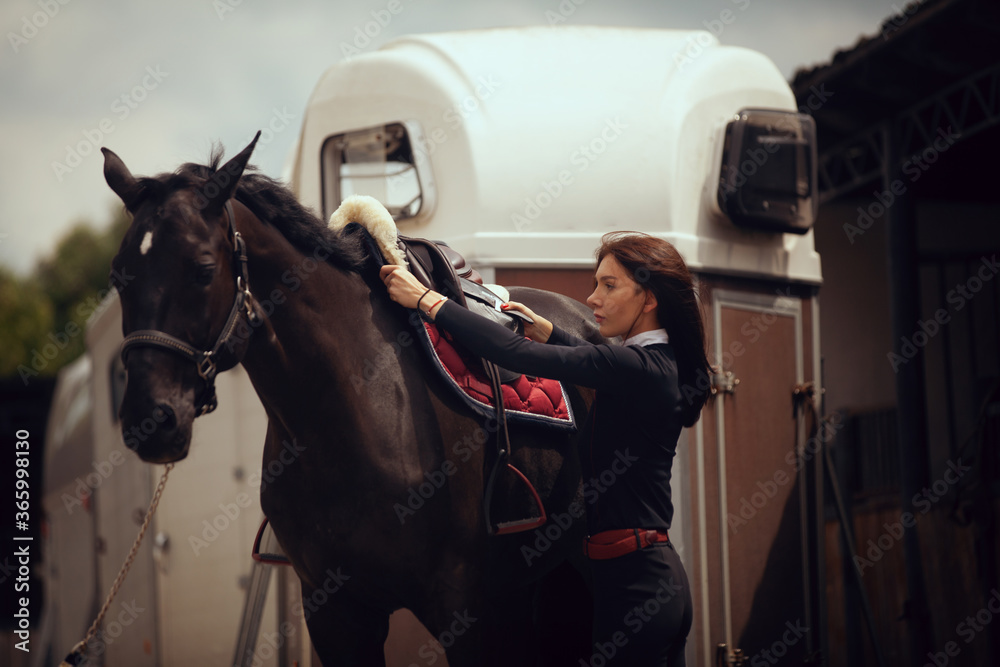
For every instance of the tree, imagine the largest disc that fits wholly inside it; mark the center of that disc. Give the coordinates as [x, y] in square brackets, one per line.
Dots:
[48, 311]
[26, 312]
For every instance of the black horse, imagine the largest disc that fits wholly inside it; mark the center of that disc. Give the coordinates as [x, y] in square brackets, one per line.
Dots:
[229, 268]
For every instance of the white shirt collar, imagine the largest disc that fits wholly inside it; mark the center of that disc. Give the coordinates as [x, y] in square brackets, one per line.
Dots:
[649, 338]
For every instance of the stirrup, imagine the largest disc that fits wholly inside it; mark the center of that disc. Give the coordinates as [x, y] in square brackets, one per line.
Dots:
[520, 525]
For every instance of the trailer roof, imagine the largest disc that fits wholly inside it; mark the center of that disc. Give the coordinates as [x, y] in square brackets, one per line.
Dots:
[540, 139]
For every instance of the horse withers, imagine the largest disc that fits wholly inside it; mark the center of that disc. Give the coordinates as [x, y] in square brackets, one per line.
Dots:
[226, 267]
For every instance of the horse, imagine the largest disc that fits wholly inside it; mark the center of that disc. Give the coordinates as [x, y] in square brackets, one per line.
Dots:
[225, 266]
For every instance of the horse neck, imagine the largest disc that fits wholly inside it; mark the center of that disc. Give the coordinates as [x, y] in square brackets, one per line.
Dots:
[311, 331]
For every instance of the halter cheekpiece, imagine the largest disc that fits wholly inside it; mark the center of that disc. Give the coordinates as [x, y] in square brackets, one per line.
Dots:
[205, 360]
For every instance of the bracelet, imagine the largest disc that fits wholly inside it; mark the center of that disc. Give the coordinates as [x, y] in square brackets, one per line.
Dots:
[422, 297]
[441, 300]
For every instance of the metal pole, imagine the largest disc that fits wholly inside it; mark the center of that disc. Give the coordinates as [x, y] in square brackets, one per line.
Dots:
[850, 563]
[904, 296]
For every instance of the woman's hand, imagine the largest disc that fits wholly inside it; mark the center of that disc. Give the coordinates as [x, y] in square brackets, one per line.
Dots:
[540, 330]
[405, 289]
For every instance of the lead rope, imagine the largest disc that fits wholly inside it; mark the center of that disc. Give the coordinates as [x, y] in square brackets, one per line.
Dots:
[76, 656]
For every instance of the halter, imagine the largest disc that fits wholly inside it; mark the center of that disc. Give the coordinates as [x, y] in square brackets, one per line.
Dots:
[205, 360]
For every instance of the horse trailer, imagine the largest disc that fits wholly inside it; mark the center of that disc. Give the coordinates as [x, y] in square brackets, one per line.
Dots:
[519, 148]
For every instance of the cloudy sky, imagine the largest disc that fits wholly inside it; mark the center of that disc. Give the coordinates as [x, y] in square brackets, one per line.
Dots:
[159, 82]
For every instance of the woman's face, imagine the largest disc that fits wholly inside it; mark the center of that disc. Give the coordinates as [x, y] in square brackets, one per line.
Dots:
[617, 300]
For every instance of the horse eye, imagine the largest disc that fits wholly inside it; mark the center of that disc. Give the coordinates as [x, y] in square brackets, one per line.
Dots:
[205, 275]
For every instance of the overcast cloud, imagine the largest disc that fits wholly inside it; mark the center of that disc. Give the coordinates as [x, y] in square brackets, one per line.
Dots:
[217, 70]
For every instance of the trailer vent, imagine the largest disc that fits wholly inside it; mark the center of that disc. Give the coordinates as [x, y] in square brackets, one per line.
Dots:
[768, 176]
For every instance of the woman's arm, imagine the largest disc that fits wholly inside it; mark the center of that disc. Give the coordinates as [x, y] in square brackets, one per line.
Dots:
[543, 330]
[583, 364]
[598, 366]
[563, 337]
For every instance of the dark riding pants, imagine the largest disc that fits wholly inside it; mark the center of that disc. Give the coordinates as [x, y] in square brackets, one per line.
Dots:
[642, 609]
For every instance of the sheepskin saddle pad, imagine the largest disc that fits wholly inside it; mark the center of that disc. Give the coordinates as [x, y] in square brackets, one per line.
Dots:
[539, 401]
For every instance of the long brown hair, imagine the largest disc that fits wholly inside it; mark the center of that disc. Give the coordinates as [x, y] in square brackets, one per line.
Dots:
[655, 265]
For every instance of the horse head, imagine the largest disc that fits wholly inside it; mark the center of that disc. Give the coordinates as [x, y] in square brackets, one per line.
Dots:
[180, 270]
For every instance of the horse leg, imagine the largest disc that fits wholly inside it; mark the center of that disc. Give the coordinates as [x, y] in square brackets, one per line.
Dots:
[344, 631]
[510, 631]
[452, 610]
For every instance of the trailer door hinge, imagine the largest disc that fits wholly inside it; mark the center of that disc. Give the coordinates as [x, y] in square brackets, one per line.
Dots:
[724, 383]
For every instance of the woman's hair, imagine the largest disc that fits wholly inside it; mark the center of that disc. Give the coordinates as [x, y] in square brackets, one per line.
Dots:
[655, 265]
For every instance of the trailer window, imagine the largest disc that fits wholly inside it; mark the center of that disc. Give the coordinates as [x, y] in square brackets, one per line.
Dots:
[378, 161]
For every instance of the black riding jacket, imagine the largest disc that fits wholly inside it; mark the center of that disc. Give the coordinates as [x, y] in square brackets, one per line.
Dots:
[630, 435]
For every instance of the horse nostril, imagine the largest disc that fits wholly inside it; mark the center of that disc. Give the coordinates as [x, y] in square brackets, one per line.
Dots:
[165, 417]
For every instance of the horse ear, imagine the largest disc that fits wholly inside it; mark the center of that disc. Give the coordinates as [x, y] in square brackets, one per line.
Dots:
[119, 178]
[222, 184]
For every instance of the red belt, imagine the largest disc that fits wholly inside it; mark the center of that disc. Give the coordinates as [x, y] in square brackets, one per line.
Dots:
[615, 543]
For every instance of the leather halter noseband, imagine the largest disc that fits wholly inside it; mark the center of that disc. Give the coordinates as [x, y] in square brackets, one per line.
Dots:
[205, 360]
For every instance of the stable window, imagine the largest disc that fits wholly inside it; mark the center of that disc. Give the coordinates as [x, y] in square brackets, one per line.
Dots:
[382, 162]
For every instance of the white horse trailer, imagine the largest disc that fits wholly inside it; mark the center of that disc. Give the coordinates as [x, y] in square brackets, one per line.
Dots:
[520, 148]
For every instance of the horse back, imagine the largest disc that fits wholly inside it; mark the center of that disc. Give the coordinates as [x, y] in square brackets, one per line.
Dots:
[568, 314]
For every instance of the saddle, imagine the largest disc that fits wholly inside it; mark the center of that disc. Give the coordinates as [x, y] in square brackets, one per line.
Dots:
[441, 268]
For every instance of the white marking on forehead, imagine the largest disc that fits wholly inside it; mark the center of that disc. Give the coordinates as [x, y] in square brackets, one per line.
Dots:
[147, 243]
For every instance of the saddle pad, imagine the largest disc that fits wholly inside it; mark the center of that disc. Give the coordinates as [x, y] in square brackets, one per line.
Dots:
[526, 399]
[537, 401]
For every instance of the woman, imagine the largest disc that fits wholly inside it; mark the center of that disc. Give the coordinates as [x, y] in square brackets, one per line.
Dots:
[647, 390]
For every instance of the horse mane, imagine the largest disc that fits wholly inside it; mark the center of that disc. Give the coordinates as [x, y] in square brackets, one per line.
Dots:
[272, 203]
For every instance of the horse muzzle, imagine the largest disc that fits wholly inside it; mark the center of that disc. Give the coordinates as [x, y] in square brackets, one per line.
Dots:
[159, 432]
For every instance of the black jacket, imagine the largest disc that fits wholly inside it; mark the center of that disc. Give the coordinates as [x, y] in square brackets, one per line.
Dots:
[629, 438]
